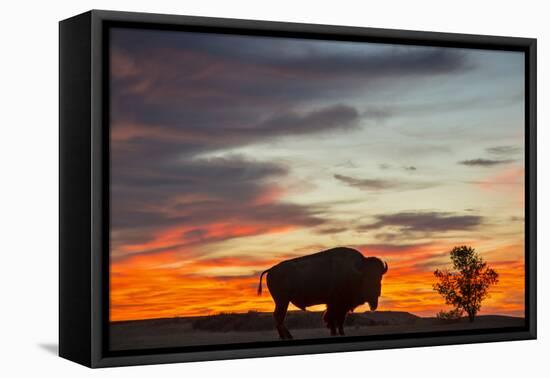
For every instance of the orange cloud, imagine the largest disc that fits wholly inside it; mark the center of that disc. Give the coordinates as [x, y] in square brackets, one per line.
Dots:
[177, 235]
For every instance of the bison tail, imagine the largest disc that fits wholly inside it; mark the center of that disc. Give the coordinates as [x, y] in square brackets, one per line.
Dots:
[260, 285]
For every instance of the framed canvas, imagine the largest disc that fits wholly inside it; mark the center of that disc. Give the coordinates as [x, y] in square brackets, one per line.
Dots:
[235, 188]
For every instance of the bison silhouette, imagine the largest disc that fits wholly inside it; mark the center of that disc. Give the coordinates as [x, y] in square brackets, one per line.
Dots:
[342, 278]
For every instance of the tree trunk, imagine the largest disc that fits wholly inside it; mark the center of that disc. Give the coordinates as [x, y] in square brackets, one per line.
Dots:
[471, 316]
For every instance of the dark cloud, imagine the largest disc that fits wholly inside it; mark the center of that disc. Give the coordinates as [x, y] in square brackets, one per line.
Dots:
[332, 230]
[175, 97]
[194, 81]
[410, 168]
[424, 222]
[195, 193]
[383, 184]
[306, 57]
[196, 136]
[504, 150]
[399, 61]
[329, 118]
[366, 184]
[142, 184]
[484, 162]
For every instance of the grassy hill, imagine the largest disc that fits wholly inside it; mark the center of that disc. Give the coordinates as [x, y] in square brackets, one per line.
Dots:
[261, 321]
[259, 326]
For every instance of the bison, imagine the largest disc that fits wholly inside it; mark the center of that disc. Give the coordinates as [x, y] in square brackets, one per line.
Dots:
[342, 278]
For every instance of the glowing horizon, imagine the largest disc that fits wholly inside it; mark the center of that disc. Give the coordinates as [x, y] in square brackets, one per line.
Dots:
[232, 153]
[404, 289]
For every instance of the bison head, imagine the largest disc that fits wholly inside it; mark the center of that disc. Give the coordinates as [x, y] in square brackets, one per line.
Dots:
[373, 270]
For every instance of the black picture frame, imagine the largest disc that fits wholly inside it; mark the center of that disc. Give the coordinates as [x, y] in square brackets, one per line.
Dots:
[84, 188]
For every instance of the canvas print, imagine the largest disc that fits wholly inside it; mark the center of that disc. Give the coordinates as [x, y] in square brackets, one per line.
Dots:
[268, 188]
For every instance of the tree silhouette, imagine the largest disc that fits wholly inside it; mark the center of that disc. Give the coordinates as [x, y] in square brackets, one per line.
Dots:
[467, 285]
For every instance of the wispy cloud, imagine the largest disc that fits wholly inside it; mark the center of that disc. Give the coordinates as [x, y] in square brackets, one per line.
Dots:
[407, 168]
[426, 222]
[485, 162]
[332, 230]
[505, 150]
[383, 184]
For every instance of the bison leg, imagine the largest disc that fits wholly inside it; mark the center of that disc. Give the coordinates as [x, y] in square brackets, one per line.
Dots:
[341, 330]
[340, 320]
[330, 319]
[279, 316]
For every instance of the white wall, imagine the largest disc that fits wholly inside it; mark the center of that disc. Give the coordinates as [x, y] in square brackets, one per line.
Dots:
[28, 211]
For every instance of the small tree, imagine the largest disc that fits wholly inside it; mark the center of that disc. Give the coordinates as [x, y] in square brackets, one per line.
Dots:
[467, 285]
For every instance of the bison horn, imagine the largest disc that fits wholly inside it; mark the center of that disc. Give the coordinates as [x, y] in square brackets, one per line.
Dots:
[385, 268]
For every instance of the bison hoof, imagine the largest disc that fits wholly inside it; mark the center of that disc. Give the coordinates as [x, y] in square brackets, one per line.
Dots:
[285, 335]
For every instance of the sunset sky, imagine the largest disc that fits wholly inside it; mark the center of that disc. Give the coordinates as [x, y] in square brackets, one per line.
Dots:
[232, 153]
